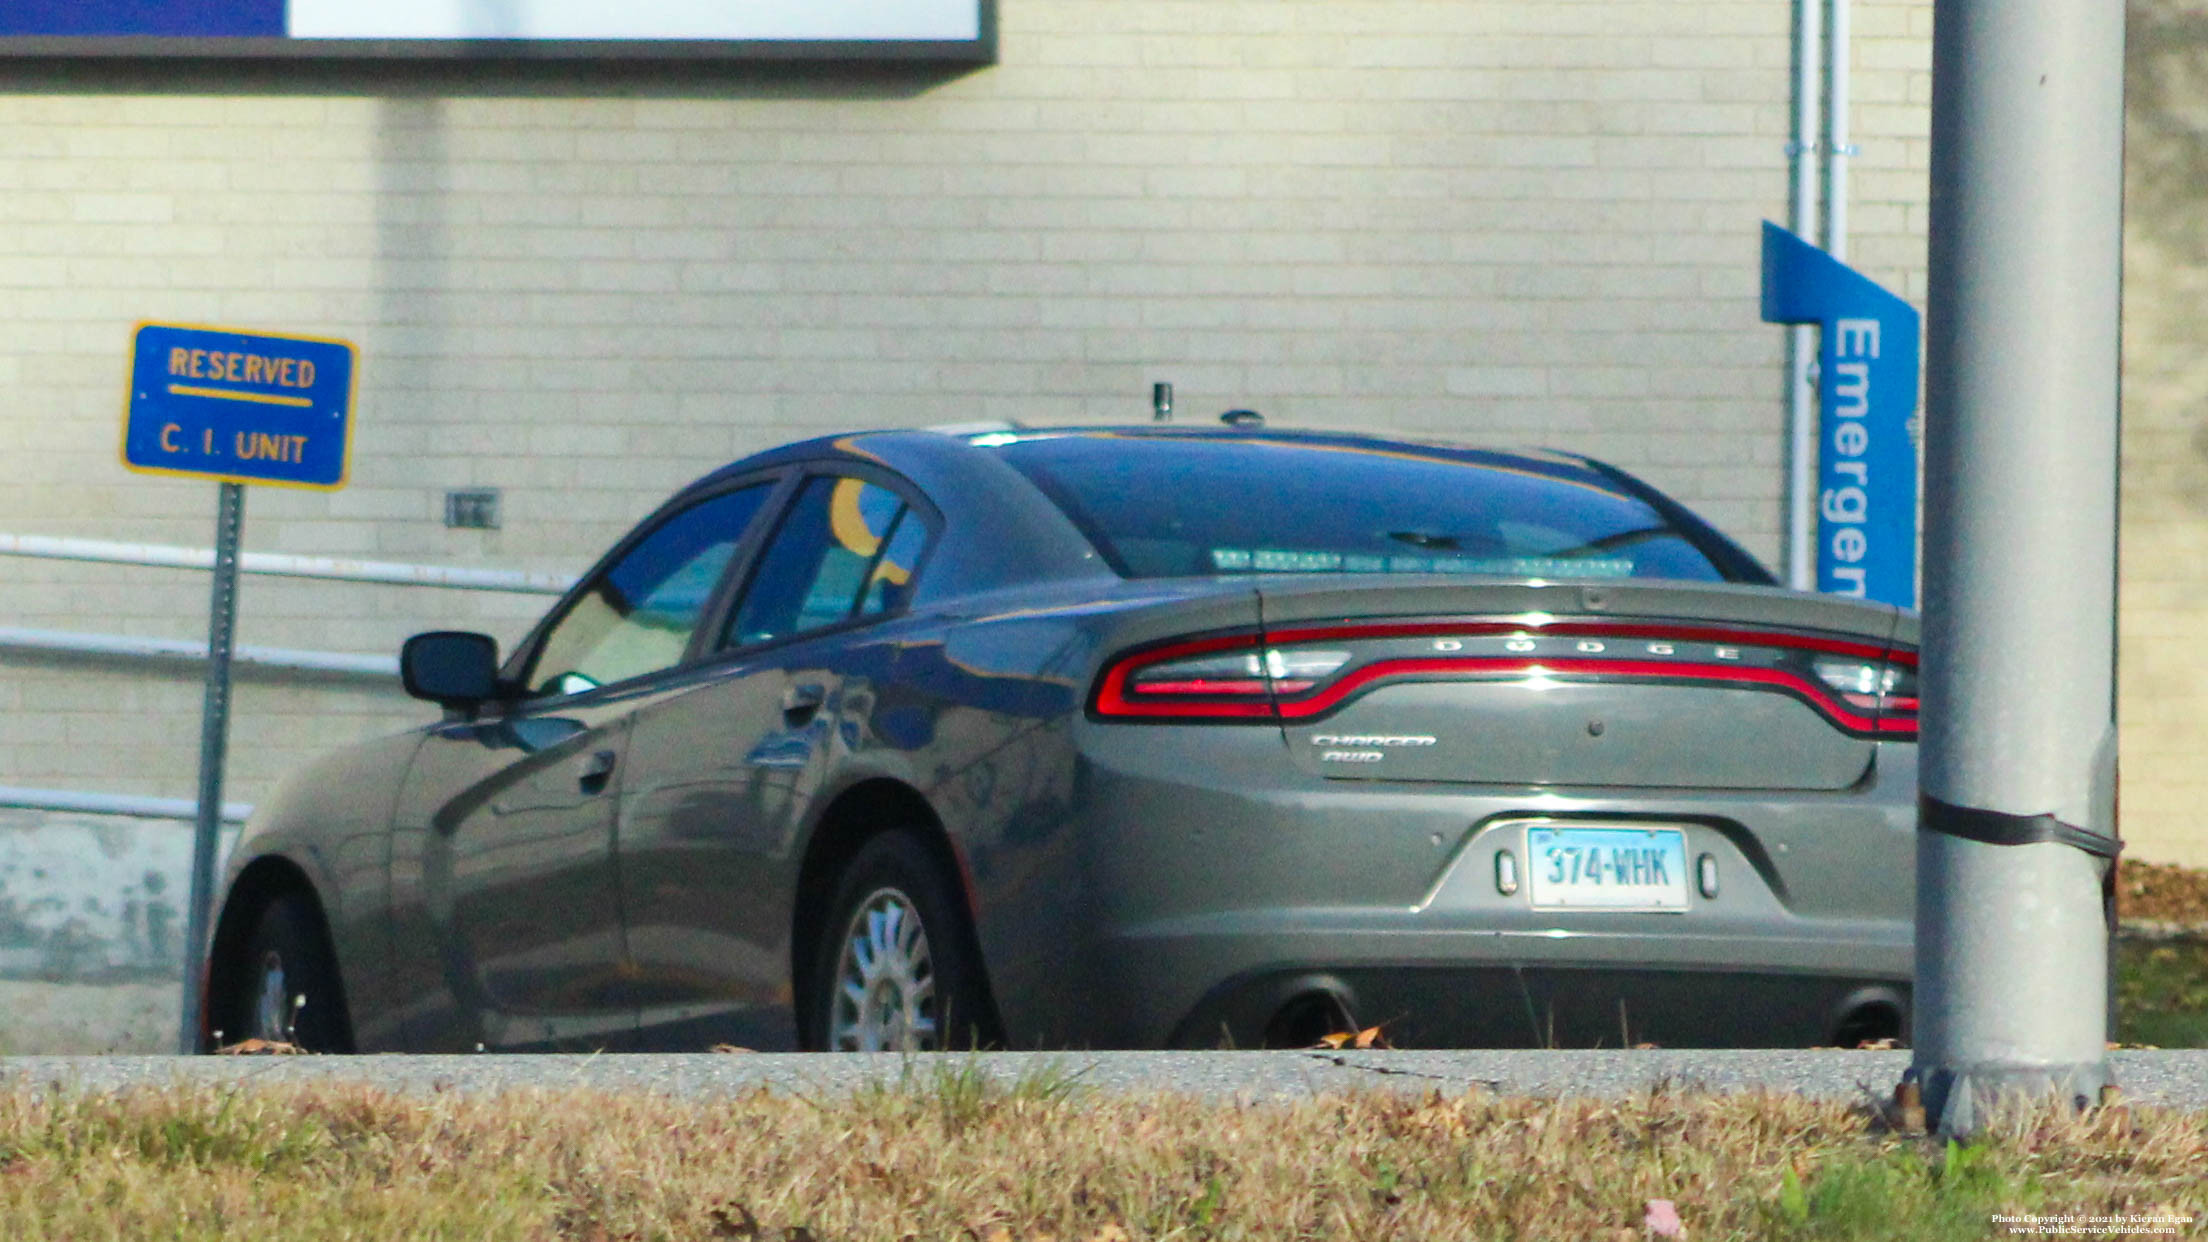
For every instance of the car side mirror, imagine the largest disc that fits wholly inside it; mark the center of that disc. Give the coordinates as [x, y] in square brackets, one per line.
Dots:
[451, 668]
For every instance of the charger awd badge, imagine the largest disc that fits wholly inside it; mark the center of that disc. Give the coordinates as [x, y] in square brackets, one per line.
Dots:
[1365, 747]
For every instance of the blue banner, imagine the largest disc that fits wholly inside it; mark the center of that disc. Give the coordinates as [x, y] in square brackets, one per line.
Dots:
[1867, 393]
[242, 407]
[174, 19]
[81, 26]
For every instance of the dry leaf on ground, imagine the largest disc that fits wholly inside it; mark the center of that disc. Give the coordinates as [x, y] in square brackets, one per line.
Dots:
[260, 1048]
[1663, 1219]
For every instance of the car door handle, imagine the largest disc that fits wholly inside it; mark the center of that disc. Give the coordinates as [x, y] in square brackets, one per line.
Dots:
[800, 702]
[597, 770]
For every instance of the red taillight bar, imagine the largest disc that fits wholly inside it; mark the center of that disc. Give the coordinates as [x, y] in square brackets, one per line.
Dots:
[1595, 629]
[1494, 669]
[1111, 690]
[1200, 699]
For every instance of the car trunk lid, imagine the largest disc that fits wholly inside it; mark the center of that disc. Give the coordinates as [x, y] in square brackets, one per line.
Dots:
[1655, 685]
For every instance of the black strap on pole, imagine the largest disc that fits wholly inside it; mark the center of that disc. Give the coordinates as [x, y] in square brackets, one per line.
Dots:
[214, 733]
[2002, 828]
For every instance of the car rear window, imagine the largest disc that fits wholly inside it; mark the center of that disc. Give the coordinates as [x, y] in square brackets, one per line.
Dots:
[1161, 506]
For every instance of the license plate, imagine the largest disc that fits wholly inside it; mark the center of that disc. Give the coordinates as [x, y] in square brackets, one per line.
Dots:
[1607, 868]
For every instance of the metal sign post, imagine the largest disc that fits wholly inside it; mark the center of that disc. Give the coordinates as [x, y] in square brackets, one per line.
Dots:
[1801, 346]
[2016, 827]
[214, 734]
[238, 407]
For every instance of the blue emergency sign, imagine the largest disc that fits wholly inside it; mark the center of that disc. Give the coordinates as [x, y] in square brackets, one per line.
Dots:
[241, 407]
[958, 30]
[1867, 393]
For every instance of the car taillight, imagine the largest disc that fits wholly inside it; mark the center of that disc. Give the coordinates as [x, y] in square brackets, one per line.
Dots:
[1249, 672]
[1305, 673]
[1885, 688]
[1199, 680]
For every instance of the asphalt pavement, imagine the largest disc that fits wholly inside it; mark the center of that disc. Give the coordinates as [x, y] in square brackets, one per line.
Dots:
[2176, 1079]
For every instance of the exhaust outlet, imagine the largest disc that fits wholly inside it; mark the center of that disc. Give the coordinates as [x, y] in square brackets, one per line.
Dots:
[1870, 1016]
[1308, 1017]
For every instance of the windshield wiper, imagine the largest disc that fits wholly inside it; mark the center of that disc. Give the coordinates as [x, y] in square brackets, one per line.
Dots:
[1609, 543]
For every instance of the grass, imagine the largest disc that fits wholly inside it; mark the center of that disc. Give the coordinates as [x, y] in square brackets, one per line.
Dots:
[2162, 992]
[2162, 979]
[947, 1154]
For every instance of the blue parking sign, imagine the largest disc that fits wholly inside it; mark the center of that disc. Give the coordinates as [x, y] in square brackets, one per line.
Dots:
[241, 407]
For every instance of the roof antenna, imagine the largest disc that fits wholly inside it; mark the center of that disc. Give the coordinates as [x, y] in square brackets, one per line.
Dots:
[1242, 418]
[1161, 402]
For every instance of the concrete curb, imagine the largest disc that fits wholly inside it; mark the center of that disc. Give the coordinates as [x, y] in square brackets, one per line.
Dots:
[2173, 1079]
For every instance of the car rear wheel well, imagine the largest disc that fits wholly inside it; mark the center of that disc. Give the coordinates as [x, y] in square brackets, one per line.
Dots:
[858, 815]
[260, 885]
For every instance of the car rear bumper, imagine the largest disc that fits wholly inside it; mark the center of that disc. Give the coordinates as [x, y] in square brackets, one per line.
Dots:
[1215, 895]
[1504, 989]
[1571, 1007]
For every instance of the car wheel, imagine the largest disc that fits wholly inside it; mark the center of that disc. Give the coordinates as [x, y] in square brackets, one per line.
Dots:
[897, 971]
[286, 983]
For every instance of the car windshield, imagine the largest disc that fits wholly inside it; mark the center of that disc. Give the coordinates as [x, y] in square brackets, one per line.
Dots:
[1162, 506]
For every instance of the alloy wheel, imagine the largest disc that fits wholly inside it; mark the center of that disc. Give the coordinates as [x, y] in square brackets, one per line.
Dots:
[884, 996]
[272, 1016]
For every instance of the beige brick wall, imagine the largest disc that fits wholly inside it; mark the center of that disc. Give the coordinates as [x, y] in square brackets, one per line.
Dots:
[1508, 222]
[2163, 688]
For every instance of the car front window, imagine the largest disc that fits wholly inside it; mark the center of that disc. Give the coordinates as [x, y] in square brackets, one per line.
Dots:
[638, 615]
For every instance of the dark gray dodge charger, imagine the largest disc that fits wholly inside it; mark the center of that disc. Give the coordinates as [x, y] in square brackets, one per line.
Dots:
[1115, 737]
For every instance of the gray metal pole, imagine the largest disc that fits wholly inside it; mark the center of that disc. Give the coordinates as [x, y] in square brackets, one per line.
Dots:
[214, 733]
[2017, 763]
[1839, 62]
[1801, 339]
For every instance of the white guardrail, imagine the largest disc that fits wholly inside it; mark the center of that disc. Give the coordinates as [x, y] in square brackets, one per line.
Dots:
[16, 797]
[275, 564]
[287, 566]
[130, 646]
[135, 647]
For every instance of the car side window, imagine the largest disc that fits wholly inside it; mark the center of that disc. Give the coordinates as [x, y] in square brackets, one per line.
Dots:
[889, 584]
[846, 548]
[639, 614]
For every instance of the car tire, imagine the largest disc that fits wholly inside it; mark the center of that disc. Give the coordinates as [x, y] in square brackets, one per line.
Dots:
[897, 969]
[286, 989]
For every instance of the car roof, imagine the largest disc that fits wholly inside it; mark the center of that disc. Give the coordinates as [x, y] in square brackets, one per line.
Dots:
[1259, 434]
[957, 462]
[888, 446]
